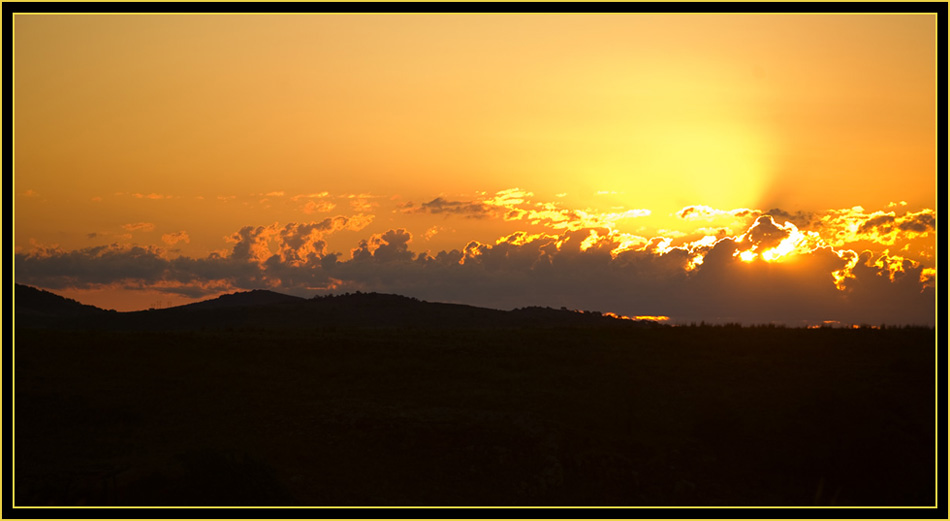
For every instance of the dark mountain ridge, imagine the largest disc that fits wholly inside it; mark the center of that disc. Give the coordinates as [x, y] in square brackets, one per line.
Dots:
[31, 301]
[269, 309]
[255, 297]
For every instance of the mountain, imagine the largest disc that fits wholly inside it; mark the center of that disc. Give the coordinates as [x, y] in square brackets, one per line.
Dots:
[39, 308]
[256, 297]
[30, 300]
[270, 310]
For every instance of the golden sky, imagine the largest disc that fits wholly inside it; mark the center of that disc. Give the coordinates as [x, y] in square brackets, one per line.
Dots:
[145, 144]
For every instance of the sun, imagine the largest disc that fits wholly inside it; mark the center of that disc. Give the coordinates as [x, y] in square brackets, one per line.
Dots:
[719, 164]
[794, 242]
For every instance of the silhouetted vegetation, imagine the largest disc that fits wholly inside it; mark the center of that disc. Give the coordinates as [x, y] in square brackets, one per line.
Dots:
[445, 410]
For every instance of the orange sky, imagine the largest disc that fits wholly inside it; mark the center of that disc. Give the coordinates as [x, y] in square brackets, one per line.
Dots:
[173, 132]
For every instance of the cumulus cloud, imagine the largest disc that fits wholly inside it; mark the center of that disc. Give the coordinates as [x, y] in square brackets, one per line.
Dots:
[844, 226]
[392, 246]
[765, 234]
[917, 222]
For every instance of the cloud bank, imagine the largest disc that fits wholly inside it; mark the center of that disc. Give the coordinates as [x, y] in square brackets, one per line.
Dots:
[770, 272]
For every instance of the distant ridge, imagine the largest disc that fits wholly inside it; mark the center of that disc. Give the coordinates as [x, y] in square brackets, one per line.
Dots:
[255, 297]
[38, 302]
[267, 309]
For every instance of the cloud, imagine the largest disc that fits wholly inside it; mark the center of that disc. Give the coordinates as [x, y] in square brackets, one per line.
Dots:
[321, 207]
[851, 225]
[362, 205]
[706, 212]
[392, 246]
[88, 267]
[770, 272]
[509, 197]
[317, 195]
[440, 205]
[553, 216]
[145, 227]
[174, 238]
[798, 218]
[150, 196]
[765, 234]
[432, 231]
[917, 222]
[30, 193]
[294, 243]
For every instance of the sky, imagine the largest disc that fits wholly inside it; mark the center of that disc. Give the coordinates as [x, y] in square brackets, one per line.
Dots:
[717, 167]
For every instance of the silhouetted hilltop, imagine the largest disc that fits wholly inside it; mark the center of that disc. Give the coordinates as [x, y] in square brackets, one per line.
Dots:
[268, 309]
[256, 297]
[39, 308]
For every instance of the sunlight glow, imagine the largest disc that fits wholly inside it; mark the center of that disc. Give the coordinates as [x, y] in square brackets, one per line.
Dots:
[591, 240]
[658, 318]
[694, 263]
[747, 256]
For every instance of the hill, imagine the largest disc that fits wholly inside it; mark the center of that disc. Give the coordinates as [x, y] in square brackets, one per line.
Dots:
[39, 308]
[269, 309]
[253, 298]
[33, 301]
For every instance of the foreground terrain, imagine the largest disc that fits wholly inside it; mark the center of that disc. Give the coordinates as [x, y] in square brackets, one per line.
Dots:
[534, 415]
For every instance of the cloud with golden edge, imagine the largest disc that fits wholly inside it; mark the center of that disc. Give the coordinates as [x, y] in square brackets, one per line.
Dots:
[706, 212]
[842, 227]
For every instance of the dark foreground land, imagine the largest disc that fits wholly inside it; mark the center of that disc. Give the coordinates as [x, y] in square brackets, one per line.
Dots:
[536, 415]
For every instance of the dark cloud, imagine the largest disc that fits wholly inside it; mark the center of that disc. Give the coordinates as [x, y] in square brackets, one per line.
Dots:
[439, 205]
[919, 222]
[88, 267]
[803, 220]
[880, 222]
[392, 246]
[765, 234]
